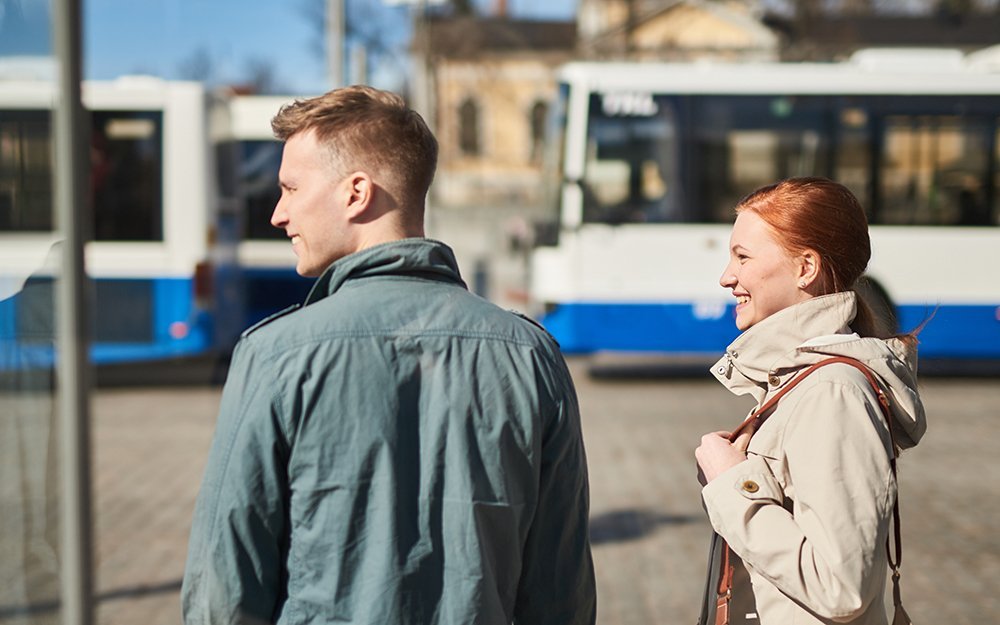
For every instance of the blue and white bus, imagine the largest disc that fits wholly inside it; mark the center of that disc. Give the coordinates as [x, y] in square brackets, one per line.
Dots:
[266, 259]
[162, 254]
[655, 156]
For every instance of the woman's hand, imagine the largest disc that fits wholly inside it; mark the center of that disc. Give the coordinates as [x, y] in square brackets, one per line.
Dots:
[716, 454]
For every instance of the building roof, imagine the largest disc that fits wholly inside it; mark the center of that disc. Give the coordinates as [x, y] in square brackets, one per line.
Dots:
[842, 34]
[468, 36]
[648, 13]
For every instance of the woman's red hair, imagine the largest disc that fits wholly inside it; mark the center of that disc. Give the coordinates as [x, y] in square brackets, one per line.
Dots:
[824, 216]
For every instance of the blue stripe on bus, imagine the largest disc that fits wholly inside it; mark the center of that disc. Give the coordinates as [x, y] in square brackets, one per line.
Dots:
[179, 327]
[581, 328]
[169, 319]
[268, 290]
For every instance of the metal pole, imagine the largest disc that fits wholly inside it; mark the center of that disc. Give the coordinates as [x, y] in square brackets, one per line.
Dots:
[359, 64]
[335, 42]
[423, 84]
[71, 325]
[422, 75]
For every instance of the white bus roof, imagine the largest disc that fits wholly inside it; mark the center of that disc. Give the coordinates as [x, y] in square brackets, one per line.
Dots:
[251, 114]
[872, 72]
[130, 92]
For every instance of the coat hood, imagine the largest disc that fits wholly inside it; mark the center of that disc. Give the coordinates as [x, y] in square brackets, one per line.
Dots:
[772, 352]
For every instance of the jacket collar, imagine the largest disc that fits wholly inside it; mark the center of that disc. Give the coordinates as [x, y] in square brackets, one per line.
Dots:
[767, 354]
[417, 256]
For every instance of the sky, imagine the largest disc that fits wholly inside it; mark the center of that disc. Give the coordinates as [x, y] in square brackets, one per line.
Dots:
[227, 41]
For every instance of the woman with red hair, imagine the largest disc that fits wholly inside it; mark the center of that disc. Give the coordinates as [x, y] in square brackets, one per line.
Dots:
[807, 502]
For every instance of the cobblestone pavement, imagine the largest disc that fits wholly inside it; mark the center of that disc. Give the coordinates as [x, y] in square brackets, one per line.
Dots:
[649, 531]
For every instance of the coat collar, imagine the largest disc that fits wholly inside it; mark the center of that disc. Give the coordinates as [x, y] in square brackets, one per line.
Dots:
[767, 354]
[416, 256]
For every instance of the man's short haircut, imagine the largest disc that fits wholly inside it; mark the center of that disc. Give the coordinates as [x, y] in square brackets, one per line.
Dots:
[371, 130]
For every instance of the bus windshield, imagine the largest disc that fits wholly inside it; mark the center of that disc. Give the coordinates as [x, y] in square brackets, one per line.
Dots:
[630, 173]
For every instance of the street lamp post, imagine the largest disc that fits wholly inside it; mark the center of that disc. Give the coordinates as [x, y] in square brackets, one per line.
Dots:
[335, 42]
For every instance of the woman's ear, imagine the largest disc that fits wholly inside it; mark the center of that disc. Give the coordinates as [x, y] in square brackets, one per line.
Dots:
[810, 264]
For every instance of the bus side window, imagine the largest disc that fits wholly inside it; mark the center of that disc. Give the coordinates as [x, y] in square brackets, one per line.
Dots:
[934, 170]
[745, 142]
[126, 153]
[25, 172]
[260, 160]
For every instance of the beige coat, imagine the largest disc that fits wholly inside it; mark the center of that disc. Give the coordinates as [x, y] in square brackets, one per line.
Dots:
[810, 508]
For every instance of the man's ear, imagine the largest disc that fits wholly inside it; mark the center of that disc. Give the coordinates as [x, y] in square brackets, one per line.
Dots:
[360, 195]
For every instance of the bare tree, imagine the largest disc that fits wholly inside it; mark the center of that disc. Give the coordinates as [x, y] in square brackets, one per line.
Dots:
[367, 23]
[262, 76]
[199, 66]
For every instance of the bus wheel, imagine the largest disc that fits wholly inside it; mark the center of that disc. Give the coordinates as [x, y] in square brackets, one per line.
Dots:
[881, 305]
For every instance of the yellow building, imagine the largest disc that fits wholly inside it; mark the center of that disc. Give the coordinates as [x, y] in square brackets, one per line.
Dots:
[493, 85]
[674, 30]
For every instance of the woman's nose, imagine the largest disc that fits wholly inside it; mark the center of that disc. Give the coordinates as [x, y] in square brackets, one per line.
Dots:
[728, 279]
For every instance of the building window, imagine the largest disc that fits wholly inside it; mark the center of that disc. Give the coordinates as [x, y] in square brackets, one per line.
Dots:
[539, 113]
[468, 128]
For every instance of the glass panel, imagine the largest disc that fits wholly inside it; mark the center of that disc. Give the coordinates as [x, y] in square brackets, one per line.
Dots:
[745, 142]
[126, 150]
[259, 165]
[934, 169]
[29, 509]
[631, 167]
[29, 461]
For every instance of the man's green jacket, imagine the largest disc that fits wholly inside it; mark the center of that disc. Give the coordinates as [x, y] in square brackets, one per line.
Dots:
[397, 450]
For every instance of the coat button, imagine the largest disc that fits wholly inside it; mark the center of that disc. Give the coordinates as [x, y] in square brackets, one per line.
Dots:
[750, 486]
[774, 380]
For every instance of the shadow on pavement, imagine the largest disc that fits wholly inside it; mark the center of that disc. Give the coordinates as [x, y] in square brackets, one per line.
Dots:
[631, 524]
[180, 372]
[110, 595]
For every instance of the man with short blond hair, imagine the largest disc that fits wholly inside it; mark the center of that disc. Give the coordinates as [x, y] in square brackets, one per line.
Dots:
[396, 450]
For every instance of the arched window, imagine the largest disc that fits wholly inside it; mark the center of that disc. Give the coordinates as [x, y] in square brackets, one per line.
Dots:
[539, 113]
[468, 127]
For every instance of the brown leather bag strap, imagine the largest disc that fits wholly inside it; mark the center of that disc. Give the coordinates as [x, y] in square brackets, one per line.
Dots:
[757, 418]
[724, 591]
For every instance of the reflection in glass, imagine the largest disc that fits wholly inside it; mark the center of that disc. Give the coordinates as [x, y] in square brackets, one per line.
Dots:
[29, 513]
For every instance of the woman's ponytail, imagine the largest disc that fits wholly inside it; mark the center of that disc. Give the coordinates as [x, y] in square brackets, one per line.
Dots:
[865, 323]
